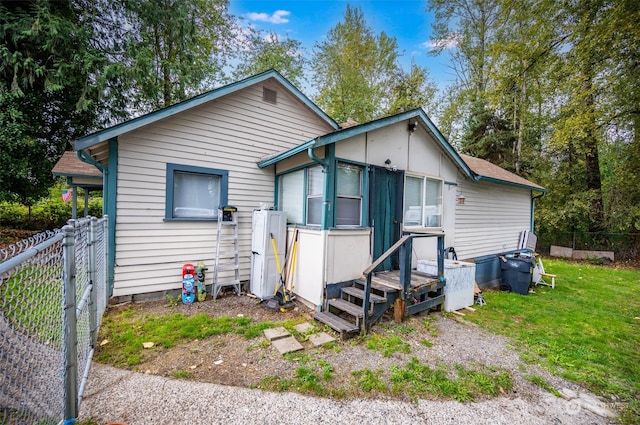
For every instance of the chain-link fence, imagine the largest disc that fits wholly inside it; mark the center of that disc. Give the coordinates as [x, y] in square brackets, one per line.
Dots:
[52, 295]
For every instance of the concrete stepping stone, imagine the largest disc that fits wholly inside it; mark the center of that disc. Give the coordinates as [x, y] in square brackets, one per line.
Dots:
[303, 327]
[320, 339]
[273, 334]
[287, 345]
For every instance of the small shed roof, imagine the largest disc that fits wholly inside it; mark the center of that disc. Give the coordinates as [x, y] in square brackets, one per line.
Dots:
[70, 166]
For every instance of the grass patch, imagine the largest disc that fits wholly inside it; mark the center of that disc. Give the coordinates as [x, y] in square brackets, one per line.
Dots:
[182, 374]
[418, 380]
[387, 345]
[586, 329]
[368, 380]
[312, 377]
[539, 381]
[128, 330]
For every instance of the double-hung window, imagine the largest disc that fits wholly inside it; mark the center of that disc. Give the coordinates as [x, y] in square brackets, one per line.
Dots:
[301, 195]
[194, 193]
[349, 195]
[315, 189]
[291, 196]
[422, 202]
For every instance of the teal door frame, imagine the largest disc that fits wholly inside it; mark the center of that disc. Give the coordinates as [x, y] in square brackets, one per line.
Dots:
[386, 191]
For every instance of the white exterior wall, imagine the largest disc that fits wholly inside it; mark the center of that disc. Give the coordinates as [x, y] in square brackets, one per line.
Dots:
[230, 133]
[309, 274]
[328, 257]
[491, 219]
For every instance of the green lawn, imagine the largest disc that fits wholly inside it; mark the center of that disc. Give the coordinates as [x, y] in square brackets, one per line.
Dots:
[587, 329]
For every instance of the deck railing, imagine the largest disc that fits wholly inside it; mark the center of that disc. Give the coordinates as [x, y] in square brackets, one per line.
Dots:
[405, 246]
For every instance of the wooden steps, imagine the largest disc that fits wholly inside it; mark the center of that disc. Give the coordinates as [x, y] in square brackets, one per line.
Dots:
[345, 312]
[337, 323]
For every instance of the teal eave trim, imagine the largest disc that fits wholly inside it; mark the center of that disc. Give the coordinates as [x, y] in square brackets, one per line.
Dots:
[125, 127]
[508, 183]
[84, 176]
[286, 154]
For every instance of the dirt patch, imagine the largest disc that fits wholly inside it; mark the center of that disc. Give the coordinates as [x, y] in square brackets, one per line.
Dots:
[11, 236]
[435, 339]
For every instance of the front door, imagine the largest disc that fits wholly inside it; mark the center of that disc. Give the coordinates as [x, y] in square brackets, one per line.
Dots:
[385, 212]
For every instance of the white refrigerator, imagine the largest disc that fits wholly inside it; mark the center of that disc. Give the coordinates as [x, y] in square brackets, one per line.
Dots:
[264, 270]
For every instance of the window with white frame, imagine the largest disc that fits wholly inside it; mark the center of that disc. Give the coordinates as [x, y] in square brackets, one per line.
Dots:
[194, 193]
[349, 195]
[422, 202]
[315, 189]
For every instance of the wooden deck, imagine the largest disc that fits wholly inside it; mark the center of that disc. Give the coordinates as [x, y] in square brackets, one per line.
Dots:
[391, 279]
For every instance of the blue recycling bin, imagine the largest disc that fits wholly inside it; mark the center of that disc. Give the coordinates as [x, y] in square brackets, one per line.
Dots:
[517, 272]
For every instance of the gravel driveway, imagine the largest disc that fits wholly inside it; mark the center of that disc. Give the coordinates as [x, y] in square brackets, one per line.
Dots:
[114, 395]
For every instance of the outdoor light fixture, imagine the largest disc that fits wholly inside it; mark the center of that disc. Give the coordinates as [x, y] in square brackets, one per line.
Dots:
[460, 199]
[412, 126]
[390, 167]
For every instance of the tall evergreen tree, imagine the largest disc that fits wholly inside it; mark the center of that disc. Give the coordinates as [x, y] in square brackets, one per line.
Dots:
[353, 68]
[173, 50]
[47, 96]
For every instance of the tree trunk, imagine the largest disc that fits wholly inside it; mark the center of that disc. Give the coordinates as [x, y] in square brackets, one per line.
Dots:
[592, 159]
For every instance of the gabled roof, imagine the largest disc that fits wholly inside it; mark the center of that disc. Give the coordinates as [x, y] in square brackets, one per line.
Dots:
[474, 168]
[70, 166]
[127, 126]
[485, 170]
[356, 130]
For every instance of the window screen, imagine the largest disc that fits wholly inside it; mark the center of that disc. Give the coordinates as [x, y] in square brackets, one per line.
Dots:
[422, 202]
[194, 192]
[315, 187]
[349, 195]
[292, 196]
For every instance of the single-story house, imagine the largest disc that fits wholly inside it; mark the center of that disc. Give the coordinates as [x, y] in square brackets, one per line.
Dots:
[351, 192]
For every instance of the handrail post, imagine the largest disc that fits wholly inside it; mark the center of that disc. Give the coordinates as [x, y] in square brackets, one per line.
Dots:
[405, 266]
[441, 257]
[365, 303]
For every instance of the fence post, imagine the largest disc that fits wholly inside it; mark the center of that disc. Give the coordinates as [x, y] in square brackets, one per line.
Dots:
[93, 301]
[70, 334]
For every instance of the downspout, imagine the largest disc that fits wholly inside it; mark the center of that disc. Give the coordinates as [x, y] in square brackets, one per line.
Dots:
[314, 158]
[533, 207]
[325, 206]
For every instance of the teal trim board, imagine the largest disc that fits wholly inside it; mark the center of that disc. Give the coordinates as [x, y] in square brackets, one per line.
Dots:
[111, 183]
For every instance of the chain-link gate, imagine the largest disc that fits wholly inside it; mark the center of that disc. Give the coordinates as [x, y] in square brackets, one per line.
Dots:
[53, 291]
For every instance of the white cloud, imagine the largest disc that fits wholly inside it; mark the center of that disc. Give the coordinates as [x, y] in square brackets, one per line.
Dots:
[278, 17]
[451, 41]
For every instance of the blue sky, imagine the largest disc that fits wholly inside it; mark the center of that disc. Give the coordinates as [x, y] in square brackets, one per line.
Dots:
[310, 20]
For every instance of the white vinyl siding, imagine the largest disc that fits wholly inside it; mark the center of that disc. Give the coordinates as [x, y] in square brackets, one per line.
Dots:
[491, 218]
[230, 133]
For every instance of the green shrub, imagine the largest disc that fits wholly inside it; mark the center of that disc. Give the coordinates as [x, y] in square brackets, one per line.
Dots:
[48, 213]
